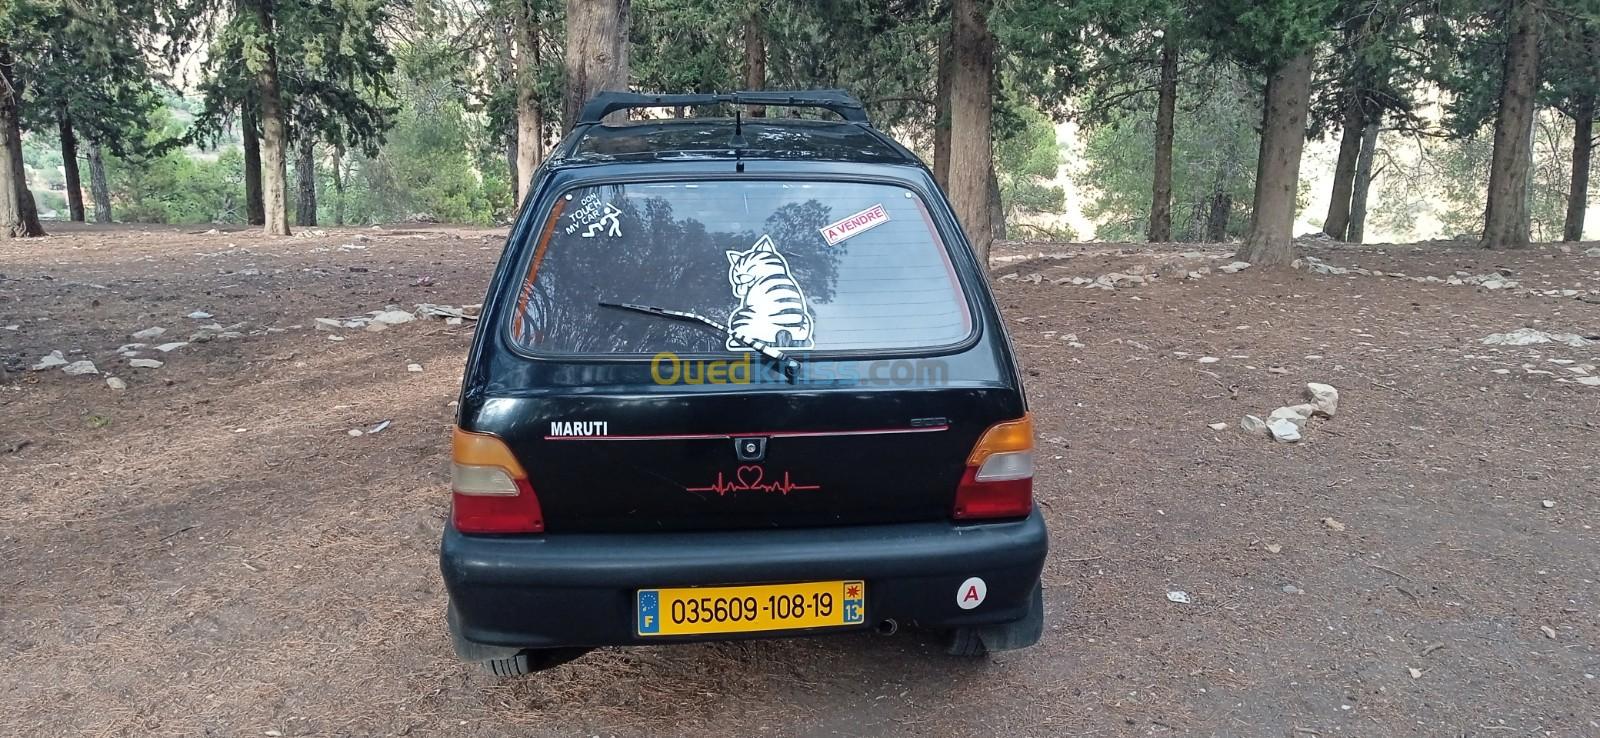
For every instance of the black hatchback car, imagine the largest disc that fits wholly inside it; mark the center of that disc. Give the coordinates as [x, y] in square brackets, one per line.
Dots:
[738, 377]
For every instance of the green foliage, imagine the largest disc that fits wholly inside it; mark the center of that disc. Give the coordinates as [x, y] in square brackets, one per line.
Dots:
[1263, 34]
[1381, 55]
[333, 69]
[882, 52]
[161, 184]
[428, 166]
[1025, 163]
[83, 60]
[1214, 149]
[688, 45]
[1099, 50]
[1443, 183]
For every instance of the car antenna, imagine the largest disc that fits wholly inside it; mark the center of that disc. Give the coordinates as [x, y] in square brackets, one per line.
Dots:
[738, 142]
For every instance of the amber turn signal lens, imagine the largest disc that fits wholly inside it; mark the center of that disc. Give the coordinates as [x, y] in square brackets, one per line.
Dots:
[1008, 437]
[481, 449]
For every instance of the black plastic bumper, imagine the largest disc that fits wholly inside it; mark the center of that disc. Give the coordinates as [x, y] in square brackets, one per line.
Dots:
[579, 589]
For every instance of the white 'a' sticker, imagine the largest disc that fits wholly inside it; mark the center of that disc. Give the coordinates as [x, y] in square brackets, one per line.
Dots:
[971, 593]
[855, 225]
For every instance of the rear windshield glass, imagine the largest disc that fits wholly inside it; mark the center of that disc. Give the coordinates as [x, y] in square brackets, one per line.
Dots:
[807, 266]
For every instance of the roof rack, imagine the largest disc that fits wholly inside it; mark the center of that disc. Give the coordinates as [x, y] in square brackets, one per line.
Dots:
[838, 101]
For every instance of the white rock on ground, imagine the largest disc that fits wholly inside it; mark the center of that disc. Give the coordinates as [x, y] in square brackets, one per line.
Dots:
[1530, 336]
[413, 367]
[148, 333]
[1237, 266]
[328, 324]
[1589, 381]
[1285, 430]
[199, 315]
[1253, 425]
[146, 363]
[1217, 426]
[1296, 414]
[116, 384]
[1592, 252]
[80, 367]
[50, 361]
[1324, 397]
[165, 347]
[393, 317]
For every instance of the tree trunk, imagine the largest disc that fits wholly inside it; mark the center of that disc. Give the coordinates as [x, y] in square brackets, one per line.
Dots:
[596, 53]
[69, 163]
[941, 115]
[99, 187]
[755, 57]
[1363, 183]
[505, 62]
[1337, 224]
[1166, 101]
[255, 209]
[530, 122]
[1283, 133]
[18, 216]
[1525, 214]
[997, 208]
[338, 185]
[305, 168]
[1582, 151]
[971, 111]
[274, 141]
[1217, 218]
[1503, 224]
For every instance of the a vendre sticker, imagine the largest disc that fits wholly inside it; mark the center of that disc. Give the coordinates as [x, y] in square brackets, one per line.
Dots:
[856, 224]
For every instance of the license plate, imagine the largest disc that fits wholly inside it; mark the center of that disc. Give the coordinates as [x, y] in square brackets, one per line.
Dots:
[704, 610]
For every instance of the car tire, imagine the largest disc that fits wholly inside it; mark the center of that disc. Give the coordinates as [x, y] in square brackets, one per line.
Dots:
[532, 660]
[507, 661]
[983, 639]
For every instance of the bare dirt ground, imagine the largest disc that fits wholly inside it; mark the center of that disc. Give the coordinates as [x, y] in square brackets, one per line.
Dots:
[210, 552]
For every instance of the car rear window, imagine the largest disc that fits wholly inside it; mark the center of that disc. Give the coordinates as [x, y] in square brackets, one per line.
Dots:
[803, 265]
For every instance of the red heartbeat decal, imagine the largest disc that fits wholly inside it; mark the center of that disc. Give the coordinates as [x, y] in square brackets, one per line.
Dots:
[753, 478]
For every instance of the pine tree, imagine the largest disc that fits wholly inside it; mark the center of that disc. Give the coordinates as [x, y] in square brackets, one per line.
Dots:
[1277, 38]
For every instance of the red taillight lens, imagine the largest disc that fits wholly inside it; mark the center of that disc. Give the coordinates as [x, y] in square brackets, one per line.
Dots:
[498, 514]
[491, 493]
[998, 482]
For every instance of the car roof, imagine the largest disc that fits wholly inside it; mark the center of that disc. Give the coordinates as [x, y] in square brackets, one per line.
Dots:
[684, 139]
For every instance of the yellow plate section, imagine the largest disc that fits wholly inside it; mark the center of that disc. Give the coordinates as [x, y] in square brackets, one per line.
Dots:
[710, 610]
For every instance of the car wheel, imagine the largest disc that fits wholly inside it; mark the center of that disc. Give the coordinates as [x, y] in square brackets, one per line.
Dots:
[531, 660]
[965, 643]
[982, 639]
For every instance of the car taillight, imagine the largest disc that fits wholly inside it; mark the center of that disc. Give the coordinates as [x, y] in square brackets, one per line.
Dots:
[490, 491]
[998, 482]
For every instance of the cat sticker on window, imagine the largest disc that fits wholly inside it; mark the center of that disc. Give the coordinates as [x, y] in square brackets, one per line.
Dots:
[771, 306]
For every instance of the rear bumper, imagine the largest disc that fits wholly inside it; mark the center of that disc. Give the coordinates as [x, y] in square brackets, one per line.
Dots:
[579, 589]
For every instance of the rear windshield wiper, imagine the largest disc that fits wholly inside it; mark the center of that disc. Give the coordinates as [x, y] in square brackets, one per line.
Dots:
[789, 366]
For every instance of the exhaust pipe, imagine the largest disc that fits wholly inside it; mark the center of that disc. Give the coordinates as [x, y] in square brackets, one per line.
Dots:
[888, 627]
